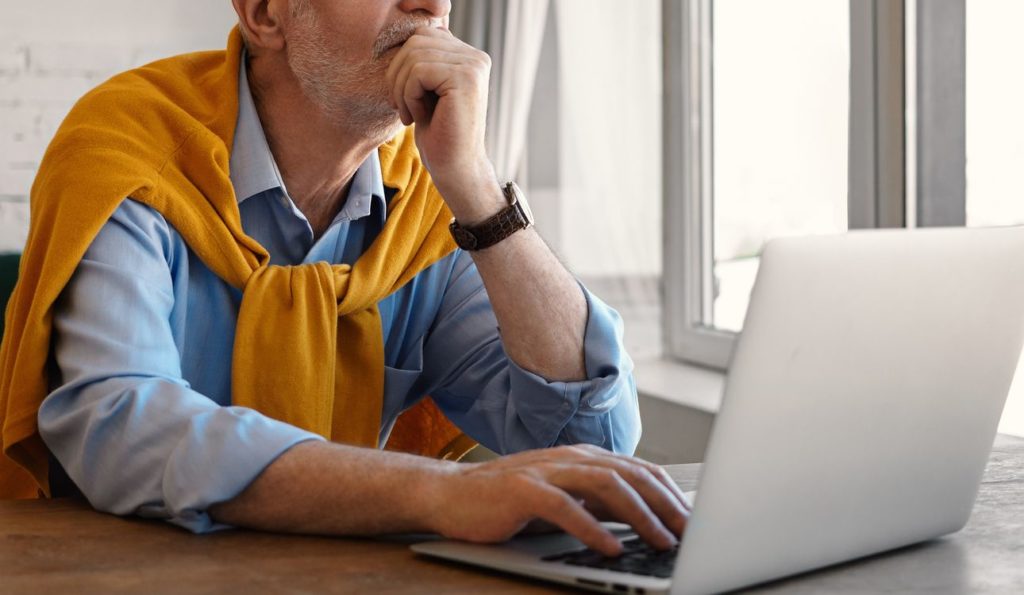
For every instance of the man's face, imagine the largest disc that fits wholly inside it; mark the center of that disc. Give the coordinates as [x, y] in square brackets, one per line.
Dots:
[340, 50]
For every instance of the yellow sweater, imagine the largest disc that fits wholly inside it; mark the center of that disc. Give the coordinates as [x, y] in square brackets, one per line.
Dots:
[162, 134]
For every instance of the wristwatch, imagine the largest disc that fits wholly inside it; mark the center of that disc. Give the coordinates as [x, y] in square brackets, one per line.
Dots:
[515, 216]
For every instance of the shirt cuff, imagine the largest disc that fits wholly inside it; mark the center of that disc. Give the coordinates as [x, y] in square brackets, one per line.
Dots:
[224, 451]
[548, 408]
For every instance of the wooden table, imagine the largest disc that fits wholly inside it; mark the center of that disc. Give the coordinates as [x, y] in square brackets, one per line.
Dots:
[62, 546]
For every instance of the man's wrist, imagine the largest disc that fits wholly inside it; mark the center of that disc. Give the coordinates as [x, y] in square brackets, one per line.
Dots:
[490, 202]
[430, 488]
[474, 199]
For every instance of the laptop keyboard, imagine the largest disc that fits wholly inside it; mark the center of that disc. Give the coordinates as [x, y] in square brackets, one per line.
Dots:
[637, 558]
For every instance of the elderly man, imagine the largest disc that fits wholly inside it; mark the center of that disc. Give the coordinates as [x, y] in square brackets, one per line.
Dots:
[249, 275]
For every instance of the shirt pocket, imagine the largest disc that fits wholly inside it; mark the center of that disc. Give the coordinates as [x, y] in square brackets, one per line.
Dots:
[401, 381]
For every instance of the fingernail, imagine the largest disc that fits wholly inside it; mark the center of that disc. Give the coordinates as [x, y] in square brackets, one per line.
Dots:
[671, 540]
[681, 525]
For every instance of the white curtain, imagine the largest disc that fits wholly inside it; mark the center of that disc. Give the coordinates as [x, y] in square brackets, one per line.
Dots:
[595, 153]
[511, 32]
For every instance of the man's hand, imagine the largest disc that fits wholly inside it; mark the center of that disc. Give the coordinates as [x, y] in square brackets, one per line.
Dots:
[440, 84]
[572, 487]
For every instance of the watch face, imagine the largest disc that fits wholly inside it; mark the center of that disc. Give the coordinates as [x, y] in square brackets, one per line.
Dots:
[520, 199]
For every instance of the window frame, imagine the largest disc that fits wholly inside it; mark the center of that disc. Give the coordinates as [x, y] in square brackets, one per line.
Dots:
[882, 170]
[940, 108]
[688, 207]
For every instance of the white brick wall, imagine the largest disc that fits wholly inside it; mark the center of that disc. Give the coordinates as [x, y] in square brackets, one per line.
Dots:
[53, 51]
[14, 223]
[13, 59]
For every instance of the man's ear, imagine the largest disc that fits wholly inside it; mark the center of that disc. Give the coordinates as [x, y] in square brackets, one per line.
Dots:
[261, 24]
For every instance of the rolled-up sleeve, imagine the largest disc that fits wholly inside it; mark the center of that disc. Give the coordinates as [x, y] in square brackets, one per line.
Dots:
[124, 424]
[508, 408]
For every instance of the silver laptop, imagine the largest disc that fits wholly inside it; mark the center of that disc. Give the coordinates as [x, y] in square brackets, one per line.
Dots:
[859, 412]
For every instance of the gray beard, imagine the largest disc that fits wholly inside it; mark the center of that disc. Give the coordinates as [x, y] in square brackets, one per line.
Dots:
[330, 87]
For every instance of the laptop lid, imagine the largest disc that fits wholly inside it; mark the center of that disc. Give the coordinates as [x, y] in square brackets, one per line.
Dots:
[861, 403]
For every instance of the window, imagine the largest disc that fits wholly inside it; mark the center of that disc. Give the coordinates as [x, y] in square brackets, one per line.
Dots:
[995, 113]
[780, 95]
[932, 134]
[757, 109]
[995, 136]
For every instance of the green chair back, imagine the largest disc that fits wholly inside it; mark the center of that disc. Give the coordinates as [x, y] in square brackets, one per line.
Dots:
[8, 277]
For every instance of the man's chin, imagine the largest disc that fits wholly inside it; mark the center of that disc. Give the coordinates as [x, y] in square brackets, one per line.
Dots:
[383, 124]
[373, 118]
[393, 129]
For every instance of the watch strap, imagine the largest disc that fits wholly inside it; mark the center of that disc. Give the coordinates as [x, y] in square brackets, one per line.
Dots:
[493, 229]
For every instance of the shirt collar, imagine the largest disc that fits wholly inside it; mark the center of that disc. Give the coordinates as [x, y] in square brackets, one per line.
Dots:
[253, 169]
[367, 187]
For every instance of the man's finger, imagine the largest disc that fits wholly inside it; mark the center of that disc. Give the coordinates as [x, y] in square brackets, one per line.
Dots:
[612, 493]
[666, 480]
[417, 43]
[659, 474]
[424, 78]
[559, 508]
[400, 88]
[657, 496]
[592, 452]
[397, 74]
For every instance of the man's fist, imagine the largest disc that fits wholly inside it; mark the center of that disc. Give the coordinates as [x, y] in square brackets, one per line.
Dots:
[440, 84]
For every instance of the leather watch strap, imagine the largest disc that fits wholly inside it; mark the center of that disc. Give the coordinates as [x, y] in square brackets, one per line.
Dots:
[497, 227]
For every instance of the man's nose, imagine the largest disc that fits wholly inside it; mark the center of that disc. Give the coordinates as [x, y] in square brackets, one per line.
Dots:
[432, 9]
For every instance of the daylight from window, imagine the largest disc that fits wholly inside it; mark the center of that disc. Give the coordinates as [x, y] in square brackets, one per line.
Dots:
[781, 95]
[995, 137]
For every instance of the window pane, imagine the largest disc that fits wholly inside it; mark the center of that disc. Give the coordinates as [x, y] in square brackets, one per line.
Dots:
[780, 96]
[995, 120]
[995, 137]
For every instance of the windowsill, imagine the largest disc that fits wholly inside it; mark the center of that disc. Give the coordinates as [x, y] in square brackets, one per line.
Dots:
[685, 399]
[681, 384]
[678, 403]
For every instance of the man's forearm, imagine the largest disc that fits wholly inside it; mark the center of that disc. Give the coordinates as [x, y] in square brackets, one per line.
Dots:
[326, 488]
[540, 307]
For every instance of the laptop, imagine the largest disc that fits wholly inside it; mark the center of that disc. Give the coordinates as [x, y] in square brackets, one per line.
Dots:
[859, 412]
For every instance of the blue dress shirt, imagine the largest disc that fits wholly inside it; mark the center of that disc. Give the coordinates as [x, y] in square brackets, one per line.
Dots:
[140, 414]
